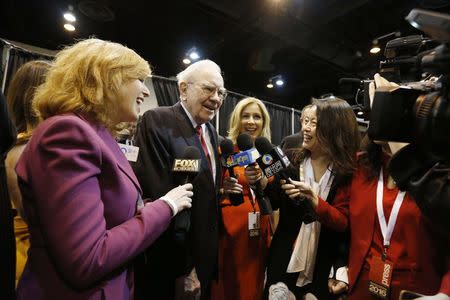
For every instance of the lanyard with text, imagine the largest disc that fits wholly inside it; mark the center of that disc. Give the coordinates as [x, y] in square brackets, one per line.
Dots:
[381, 268]
[387, 228]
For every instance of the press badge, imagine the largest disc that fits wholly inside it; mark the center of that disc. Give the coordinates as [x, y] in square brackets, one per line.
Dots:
[380, 276]
[131, 152]
[253, 224]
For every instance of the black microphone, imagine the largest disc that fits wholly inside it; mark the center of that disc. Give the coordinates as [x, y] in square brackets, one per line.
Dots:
[273, 161]
[245, 142]
[185, 169]
[227, 149]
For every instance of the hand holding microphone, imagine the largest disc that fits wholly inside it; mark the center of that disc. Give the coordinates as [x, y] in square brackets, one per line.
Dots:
[232, 188]
[254, 176]
[299, 190]
[230, 184]
[179, 198]
[273, 161]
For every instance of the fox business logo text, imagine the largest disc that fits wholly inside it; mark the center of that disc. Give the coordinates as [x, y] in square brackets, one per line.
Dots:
[378, 290]
[186, 165]
[273, 169]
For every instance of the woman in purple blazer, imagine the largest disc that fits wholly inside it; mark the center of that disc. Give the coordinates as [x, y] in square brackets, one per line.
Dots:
[82, 200]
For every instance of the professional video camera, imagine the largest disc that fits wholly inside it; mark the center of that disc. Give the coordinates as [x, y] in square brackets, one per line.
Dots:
[418, 112]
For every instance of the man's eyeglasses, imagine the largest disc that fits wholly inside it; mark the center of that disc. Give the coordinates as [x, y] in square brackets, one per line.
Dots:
[210, 90]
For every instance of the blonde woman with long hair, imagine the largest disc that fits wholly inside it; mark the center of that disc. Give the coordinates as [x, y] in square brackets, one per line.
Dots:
[243, 252]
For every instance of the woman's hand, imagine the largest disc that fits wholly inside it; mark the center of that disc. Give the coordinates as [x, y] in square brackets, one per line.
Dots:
[254, 176]
[179, 198]
[231, 186]
[337, 287]
[297, 189]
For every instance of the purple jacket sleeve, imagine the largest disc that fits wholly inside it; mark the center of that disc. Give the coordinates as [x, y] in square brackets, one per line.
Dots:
[85, 215]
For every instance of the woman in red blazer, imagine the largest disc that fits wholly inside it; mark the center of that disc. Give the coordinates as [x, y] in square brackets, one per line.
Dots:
[82, 201]
[406, 253]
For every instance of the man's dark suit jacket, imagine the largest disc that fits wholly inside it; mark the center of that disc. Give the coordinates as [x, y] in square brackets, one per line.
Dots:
[162, 135]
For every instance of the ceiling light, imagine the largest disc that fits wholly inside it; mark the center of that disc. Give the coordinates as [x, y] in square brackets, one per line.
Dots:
[69, 27]
[375, 49]
[69, 17]
[191, 55]
[194, 55]
[277, 80]
[186, 61]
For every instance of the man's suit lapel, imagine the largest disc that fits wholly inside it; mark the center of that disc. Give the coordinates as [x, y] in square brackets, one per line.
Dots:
[185, 127]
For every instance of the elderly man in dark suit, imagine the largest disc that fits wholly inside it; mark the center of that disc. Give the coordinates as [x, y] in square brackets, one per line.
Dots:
[176, 267]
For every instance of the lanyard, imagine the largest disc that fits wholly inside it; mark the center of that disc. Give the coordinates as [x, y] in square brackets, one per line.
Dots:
[386, 230]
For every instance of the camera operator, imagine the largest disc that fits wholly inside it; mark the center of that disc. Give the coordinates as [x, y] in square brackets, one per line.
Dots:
[393, 245]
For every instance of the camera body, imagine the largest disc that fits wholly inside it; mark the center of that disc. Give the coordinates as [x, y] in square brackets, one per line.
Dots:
[416, 112]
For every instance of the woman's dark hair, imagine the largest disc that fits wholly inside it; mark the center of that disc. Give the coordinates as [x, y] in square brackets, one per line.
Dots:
[21, 92]
[337, 133]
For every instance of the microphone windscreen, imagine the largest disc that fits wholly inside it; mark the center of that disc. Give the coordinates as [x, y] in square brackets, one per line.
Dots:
[191, 152]
[244, 141]
[263, 145]
[227, 147]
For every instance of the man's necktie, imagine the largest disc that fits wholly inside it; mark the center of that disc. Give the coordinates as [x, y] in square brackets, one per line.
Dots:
[199, 131]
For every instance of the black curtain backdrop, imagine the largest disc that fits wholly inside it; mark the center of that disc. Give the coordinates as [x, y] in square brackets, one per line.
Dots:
[281, 121]
[296, 121]
[7, 240]
[166, 90]
[18, 57]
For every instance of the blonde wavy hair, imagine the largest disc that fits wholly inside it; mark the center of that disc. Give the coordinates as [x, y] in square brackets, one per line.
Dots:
[235, 118]
[86, 78]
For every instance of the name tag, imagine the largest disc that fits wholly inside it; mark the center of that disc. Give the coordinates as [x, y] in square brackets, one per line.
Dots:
[380, 276]
[131, 152]
[253, 224]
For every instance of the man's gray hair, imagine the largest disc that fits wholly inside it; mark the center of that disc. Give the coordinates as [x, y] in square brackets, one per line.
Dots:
[187, 74]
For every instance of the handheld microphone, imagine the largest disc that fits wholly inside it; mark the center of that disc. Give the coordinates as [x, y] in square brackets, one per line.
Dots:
[273, 161]
[245, 142]
[227, 148]
[185, 169]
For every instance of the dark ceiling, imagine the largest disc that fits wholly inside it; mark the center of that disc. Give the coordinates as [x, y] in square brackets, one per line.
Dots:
[312, 43]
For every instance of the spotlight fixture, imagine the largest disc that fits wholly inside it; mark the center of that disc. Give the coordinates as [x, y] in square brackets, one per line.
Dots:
[375, 43]
[69, 27]
[69, 17]
[375, 48]
[275, 80]
[194, 55]
[191, 55]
